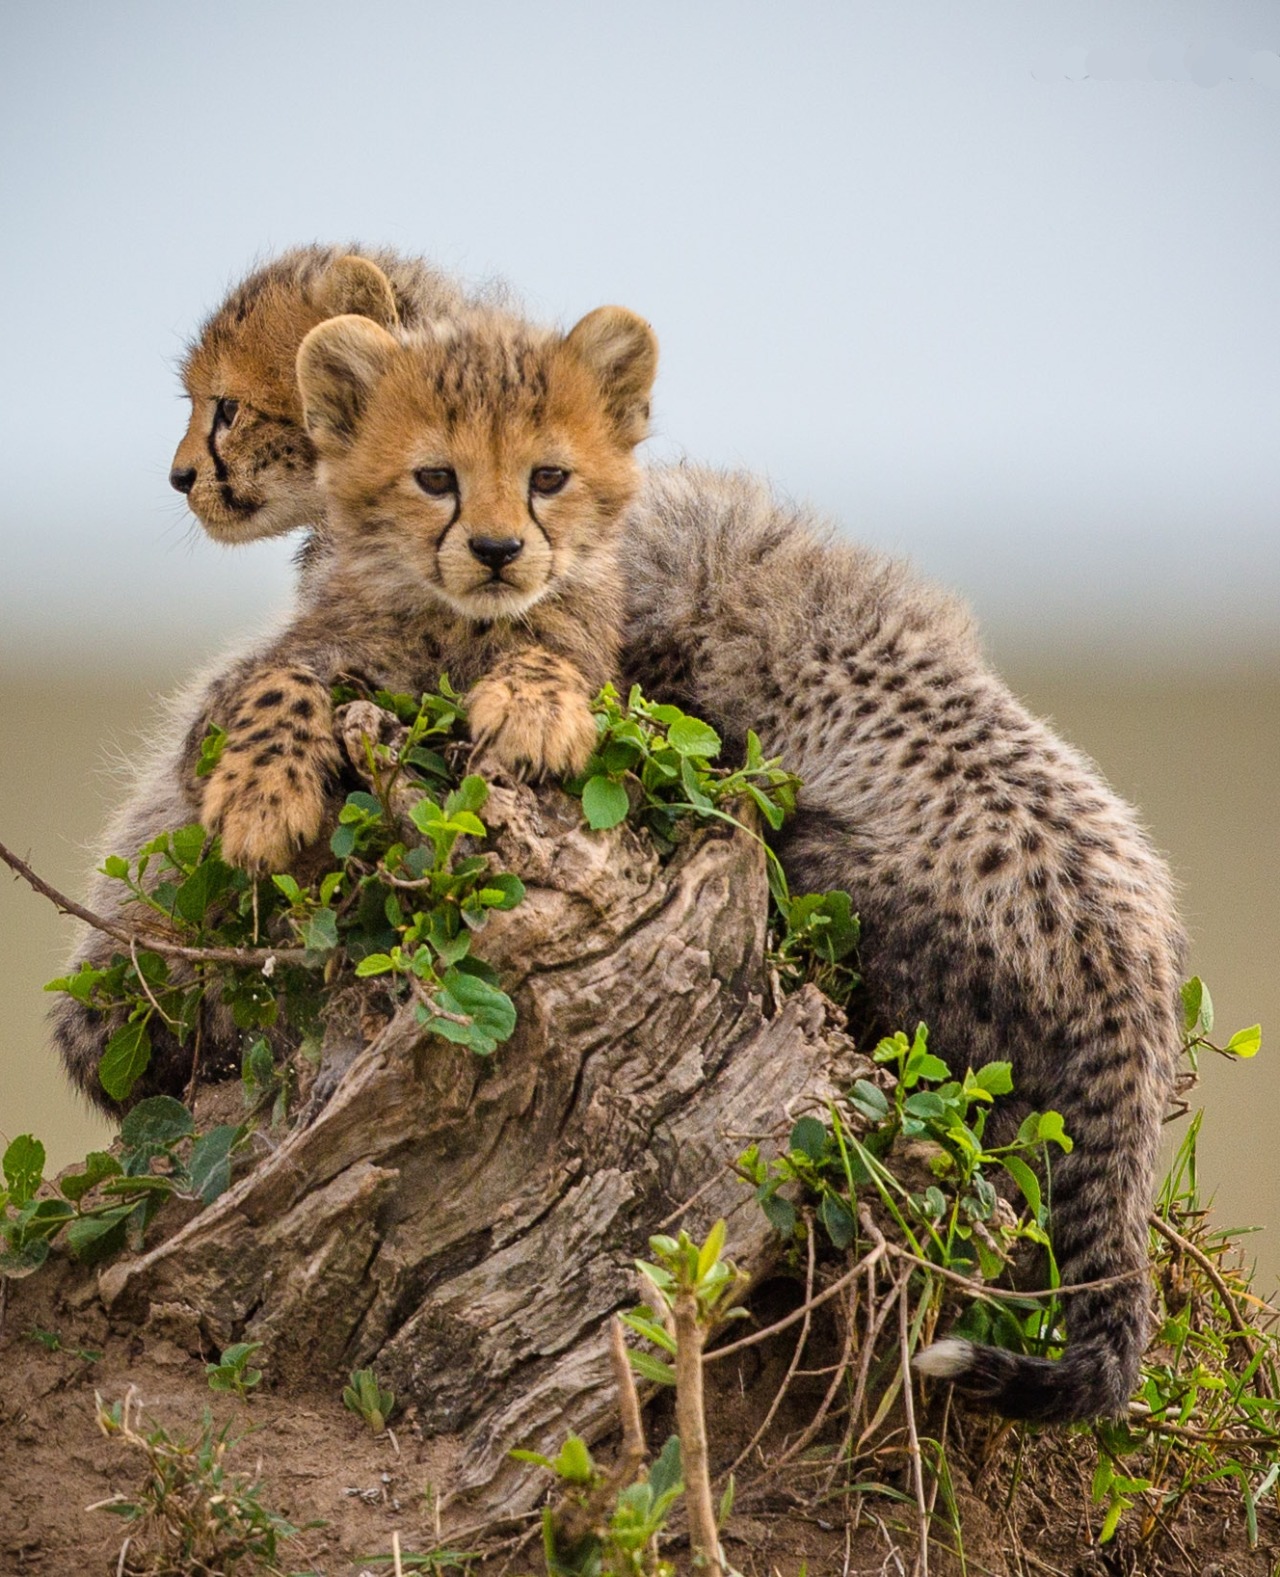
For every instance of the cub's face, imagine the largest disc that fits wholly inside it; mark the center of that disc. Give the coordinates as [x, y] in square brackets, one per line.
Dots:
[245, 463]
[479, 462]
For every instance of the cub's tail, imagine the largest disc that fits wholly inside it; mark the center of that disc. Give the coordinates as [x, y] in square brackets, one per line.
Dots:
[1101, 1194]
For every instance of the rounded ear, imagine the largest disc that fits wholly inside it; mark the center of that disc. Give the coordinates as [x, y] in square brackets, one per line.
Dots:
[340, 363]
[621, 350]
[355, 285]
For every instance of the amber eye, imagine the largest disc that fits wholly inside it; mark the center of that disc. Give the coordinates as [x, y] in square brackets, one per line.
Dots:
[548, 479]
[225, 413]
[437, 481]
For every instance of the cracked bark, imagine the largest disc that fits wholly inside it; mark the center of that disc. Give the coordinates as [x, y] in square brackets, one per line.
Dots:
[468, 1228]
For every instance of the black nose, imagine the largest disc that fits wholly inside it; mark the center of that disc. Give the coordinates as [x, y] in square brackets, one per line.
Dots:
[183, 480]
[496, 552]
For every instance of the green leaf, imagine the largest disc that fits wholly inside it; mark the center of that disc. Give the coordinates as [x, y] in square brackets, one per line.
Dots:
[342, 842]
[472, 794]
[211, 747]
[649, 1328]
[23, 1168]
[156, 1123]
[691, 737]
[187, 844]
[125, 1059]
[257, 1068]
[838, 1220]
[781, 1214]
[1027, 1181]
[98, 1166]
[374, 964]
[604, 803]
[1246, 1042]
[289, 887]
[996, 1078]
[320, 932]
[1051, 1130]
[870, 1100]
[809, 1136]
[710, 1251]
[666, 1474]
[96, 1237]
[210, 1163]
[574, 1463]
[115, 867]
[491, 1010]
[1197, 1007]
[650, 1368]
[510, 887]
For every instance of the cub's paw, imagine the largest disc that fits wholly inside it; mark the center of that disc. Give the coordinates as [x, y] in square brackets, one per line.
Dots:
[267, 795]
[531, 721]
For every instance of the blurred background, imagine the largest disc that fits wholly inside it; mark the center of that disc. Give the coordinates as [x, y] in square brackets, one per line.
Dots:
[995, 285]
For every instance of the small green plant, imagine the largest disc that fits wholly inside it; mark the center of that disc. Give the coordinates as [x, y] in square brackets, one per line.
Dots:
[191, 1513]
[1197, 1009]
[944, 1203]
[367, 1400]
[624, 1522]
[653, 763]
[52, 1341]
[402, 901]
[693, 1285]
[232, 1372]
[112, 1201]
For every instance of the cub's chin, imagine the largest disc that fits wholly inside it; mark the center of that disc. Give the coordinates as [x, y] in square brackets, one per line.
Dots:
[493, 600]
[233, 518]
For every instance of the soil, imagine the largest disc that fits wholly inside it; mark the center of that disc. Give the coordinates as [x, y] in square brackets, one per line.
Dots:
[1024, 1503]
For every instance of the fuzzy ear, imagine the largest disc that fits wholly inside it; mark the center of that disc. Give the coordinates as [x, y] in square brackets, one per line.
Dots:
[340, 363]
[354, 284]
[622, 352]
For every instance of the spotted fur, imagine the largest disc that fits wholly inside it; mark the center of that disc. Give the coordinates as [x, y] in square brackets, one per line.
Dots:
[536, 432]
[1007, 896]
[245, 463]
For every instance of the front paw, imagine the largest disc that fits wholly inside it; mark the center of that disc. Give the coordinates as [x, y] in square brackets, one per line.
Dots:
[262, 818]
[531, 731]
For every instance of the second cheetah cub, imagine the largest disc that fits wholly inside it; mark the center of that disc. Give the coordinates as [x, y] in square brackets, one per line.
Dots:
[475, 474]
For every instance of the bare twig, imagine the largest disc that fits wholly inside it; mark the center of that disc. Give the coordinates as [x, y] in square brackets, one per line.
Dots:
[254, 957]
[691, 1422]
[1243, 1337]
[913, 1439]
[633, 1447]
[792, 1367]
[803, 1311]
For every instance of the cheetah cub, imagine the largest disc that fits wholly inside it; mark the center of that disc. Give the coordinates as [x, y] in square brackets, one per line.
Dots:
[246, 464]
[475, 475]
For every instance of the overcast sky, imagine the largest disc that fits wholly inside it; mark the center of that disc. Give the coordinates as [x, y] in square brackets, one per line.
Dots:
[1020, 322]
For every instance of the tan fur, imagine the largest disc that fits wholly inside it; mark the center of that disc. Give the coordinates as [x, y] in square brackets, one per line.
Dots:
[401, 596]
[254, 476]
[1007, 896]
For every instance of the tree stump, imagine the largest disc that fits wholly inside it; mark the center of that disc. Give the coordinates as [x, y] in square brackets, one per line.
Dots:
[467, 1227]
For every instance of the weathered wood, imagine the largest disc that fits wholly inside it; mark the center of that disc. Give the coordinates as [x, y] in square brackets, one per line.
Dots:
[468, 1227]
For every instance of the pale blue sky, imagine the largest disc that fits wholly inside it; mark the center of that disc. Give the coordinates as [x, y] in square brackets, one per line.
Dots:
[1026, 331]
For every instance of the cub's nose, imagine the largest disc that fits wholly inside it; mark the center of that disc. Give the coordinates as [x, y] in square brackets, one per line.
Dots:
[183, 479]
[496, 552]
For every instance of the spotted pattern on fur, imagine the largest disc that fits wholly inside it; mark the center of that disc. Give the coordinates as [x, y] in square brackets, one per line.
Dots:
[1007, 896]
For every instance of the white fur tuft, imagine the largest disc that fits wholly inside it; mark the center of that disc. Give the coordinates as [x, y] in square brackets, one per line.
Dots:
[944, 1360]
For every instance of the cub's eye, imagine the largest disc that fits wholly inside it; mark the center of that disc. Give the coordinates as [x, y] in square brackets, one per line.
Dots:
[548, 479]
[225, 412]
[437, 481]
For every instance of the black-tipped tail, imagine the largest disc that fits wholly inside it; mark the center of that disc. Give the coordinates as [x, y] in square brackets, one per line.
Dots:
[1091, 1380]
